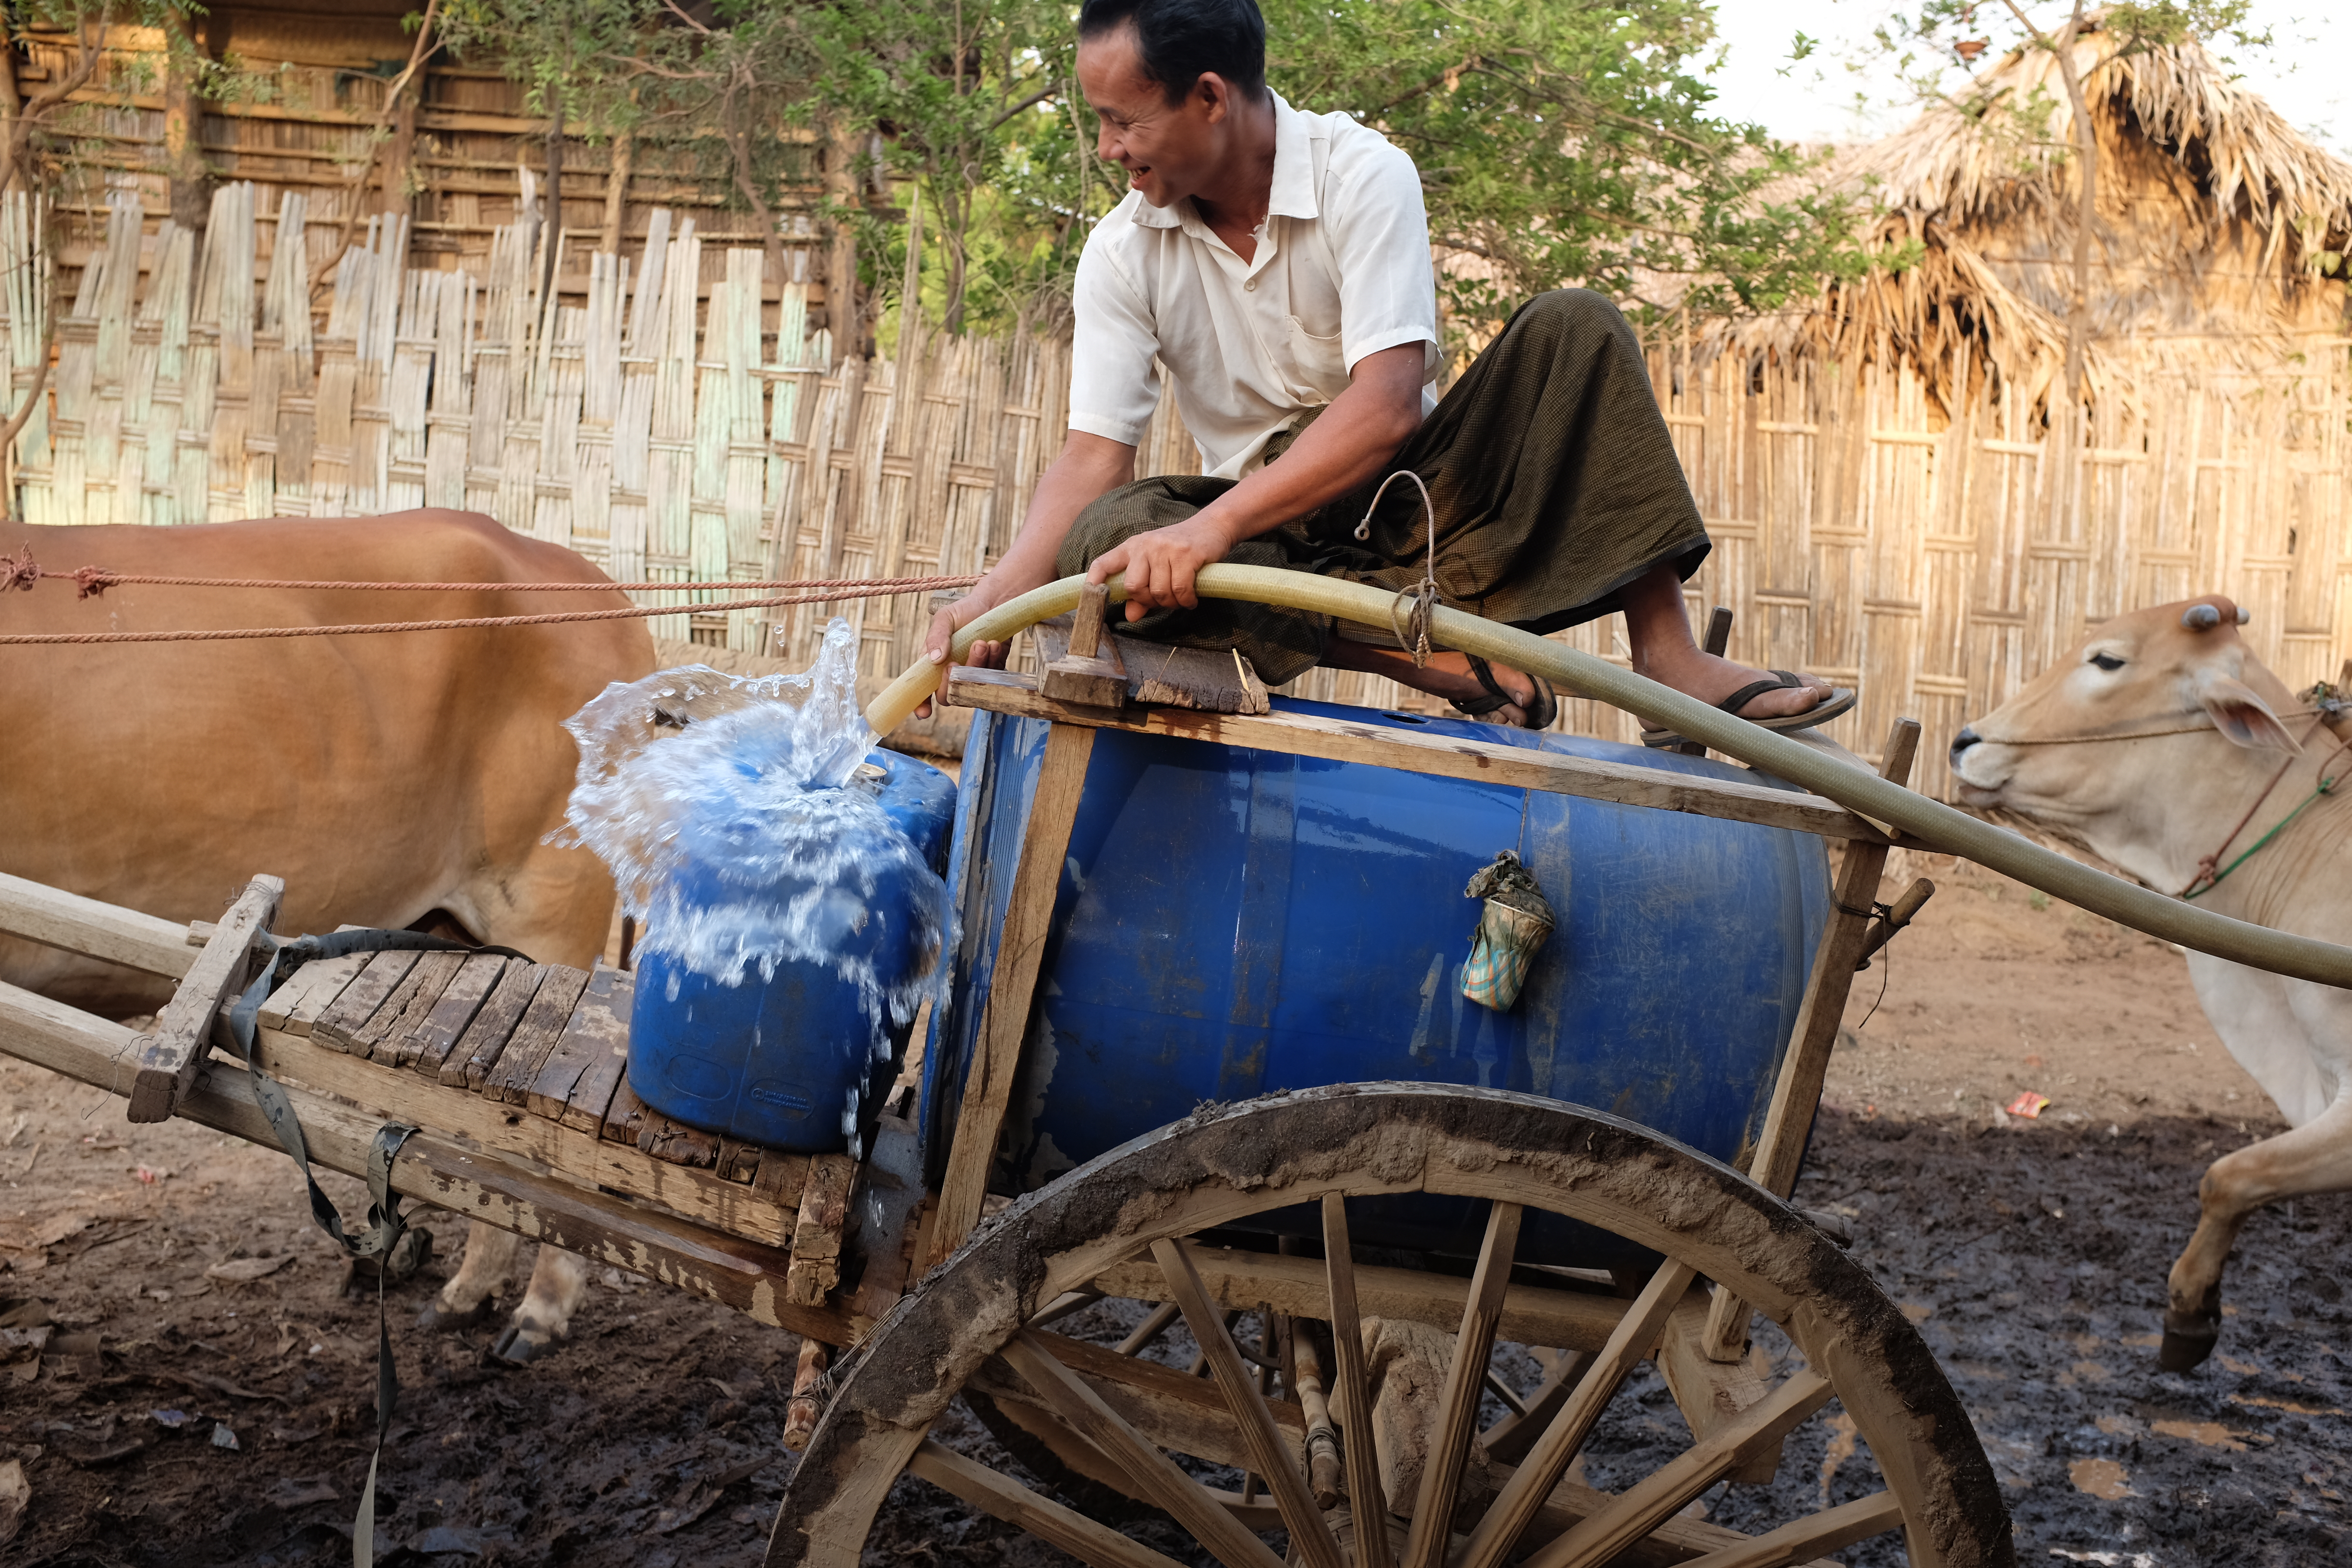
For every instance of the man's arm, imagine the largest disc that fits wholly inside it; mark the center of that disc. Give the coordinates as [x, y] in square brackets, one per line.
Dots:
[1351, 442]
[1088, 467]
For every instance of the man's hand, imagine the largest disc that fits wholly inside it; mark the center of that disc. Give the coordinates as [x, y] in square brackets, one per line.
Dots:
[940, 641]
[1161, 564]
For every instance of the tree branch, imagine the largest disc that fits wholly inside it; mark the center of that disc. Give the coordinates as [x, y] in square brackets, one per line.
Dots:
[1032, 102]
[375, 145]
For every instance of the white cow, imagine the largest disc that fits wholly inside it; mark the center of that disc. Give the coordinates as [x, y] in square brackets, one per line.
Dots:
[2162, 745]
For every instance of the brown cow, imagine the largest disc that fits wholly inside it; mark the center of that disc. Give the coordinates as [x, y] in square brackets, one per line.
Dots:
[399, 780]
[2163, 746]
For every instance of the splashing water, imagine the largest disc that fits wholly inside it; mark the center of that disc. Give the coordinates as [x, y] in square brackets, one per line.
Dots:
[734, 822]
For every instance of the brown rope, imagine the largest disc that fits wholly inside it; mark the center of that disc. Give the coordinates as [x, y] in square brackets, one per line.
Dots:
[2208, 872]
[866, 591]
[20, 571]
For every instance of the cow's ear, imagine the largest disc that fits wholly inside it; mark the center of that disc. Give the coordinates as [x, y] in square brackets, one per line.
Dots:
[2244, 717]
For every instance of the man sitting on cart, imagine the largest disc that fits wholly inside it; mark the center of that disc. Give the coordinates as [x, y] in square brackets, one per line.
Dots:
[1277, 265]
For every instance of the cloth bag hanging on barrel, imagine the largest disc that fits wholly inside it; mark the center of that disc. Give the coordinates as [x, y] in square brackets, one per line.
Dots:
[1513, 923]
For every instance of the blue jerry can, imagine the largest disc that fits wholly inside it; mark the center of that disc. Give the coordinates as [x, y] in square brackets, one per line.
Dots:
[1232, 922]
[785, 1058]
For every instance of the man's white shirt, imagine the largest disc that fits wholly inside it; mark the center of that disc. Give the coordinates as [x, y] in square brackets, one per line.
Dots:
[1341, 271]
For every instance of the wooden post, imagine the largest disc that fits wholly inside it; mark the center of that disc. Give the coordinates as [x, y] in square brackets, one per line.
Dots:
[169, 1060]
[1798, 1093]
[1089, 670]
[807, 1406]
[1004, 1013]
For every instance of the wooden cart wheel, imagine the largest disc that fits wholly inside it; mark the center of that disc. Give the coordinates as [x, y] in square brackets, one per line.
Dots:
[1120, 1223]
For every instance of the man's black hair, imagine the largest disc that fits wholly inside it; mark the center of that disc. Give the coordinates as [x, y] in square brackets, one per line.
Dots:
[1181, 40]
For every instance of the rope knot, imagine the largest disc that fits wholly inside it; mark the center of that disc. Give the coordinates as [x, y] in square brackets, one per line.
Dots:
[89, 582]
[1410, 625]
[19, 571]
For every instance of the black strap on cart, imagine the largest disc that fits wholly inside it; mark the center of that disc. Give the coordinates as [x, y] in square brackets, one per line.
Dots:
[385, 1225]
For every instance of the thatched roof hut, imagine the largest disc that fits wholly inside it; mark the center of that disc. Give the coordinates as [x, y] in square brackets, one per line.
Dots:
[2220, 238]
[1897, 493]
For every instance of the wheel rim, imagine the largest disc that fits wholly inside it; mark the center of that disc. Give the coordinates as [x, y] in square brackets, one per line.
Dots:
[1226, 1164]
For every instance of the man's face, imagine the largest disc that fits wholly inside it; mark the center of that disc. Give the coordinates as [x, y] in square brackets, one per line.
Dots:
[1169, 150]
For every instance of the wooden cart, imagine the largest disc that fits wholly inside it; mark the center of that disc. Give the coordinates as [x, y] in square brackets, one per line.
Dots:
[515, 1073]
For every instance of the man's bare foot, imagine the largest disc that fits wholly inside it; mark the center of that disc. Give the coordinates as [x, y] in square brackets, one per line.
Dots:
[1711, 678]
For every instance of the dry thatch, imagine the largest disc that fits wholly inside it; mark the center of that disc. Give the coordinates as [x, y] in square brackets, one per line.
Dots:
[2212, 213]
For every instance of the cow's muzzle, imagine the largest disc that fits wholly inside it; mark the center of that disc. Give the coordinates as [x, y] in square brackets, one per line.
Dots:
[1971, 792]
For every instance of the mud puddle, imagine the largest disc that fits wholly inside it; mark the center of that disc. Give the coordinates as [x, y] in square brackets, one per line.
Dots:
[194, 1301]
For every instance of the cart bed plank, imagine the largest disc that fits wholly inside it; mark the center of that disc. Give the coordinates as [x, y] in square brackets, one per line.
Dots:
[339, 1025]
[624, 1119]
[476, 1050]
[392, 1029]
[303, 996]
[537, 1035]
[596, 1031]
[600, 1078]
[442, 1028]
[676, 1142]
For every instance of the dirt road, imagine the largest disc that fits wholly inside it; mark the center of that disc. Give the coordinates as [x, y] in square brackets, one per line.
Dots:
[203, 1393]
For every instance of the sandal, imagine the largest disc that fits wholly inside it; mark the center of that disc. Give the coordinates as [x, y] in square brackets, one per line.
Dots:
[1841, 700]
[1540, 711]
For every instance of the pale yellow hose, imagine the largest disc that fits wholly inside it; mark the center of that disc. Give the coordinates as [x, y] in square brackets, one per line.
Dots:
[1925, 823]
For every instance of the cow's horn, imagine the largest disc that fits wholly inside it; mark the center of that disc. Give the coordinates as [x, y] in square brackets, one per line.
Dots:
[2200, 617]
[2245, 614]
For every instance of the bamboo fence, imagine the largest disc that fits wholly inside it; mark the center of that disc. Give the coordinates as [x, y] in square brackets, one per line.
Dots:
[669, 429]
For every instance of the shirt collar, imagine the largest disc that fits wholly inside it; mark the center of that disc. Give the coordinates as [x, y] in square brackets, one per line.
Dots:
[1293, 192]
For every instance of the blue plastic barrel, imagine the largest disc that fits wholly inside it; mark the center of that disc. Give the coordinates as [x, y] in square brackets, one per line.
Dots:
[789, 1061]
[1232, 922]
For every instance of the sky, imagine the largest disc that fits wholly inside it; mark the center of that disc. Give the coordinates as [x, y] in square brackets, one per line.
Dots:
[2306, 75]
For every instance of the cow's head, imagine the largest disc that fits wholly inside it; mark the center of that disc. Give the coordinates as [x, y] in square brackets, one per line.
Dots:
[2114, 745]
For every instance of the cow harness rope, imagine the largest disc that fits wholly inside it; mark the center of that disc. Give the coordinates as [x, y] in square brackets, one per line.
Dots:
[2328, 707]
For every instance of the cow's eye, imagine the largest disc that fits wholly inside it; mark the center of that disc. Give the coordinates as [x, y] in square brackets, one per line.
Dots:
[2107, 661]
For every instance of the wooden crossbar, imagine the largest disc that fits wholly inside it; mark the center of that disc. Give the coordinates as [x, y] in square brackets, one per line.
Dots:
[1446, 756]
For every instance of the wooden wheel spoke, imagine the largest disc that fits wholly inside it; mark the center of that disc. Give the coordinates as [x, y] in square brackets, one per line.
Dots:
[1509, 1517]
[1098, 1545]
[1061, 1305]
[1156, 1475]
[1506, 1393]
[1310, 1537]
[1635, 1513]
[1509, 1439]
[1151, 1329]
[1800, 1541]
[1367, 1503]
[1465, 1383]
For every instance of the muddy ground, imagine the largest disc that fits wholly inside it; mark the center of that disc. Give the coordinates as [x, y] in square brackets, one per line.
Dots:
[201, 1393]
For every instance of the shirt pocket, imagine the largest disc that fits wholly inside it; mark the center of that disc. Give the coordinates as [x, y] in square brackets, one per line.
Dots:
[1318, 363]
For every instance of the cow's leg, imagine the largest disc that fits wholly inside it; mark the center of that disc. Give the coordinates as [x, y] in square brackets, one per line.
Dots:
[2314, 1158]
[559, 1282]
[2260, 1018]
[482, 1273]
